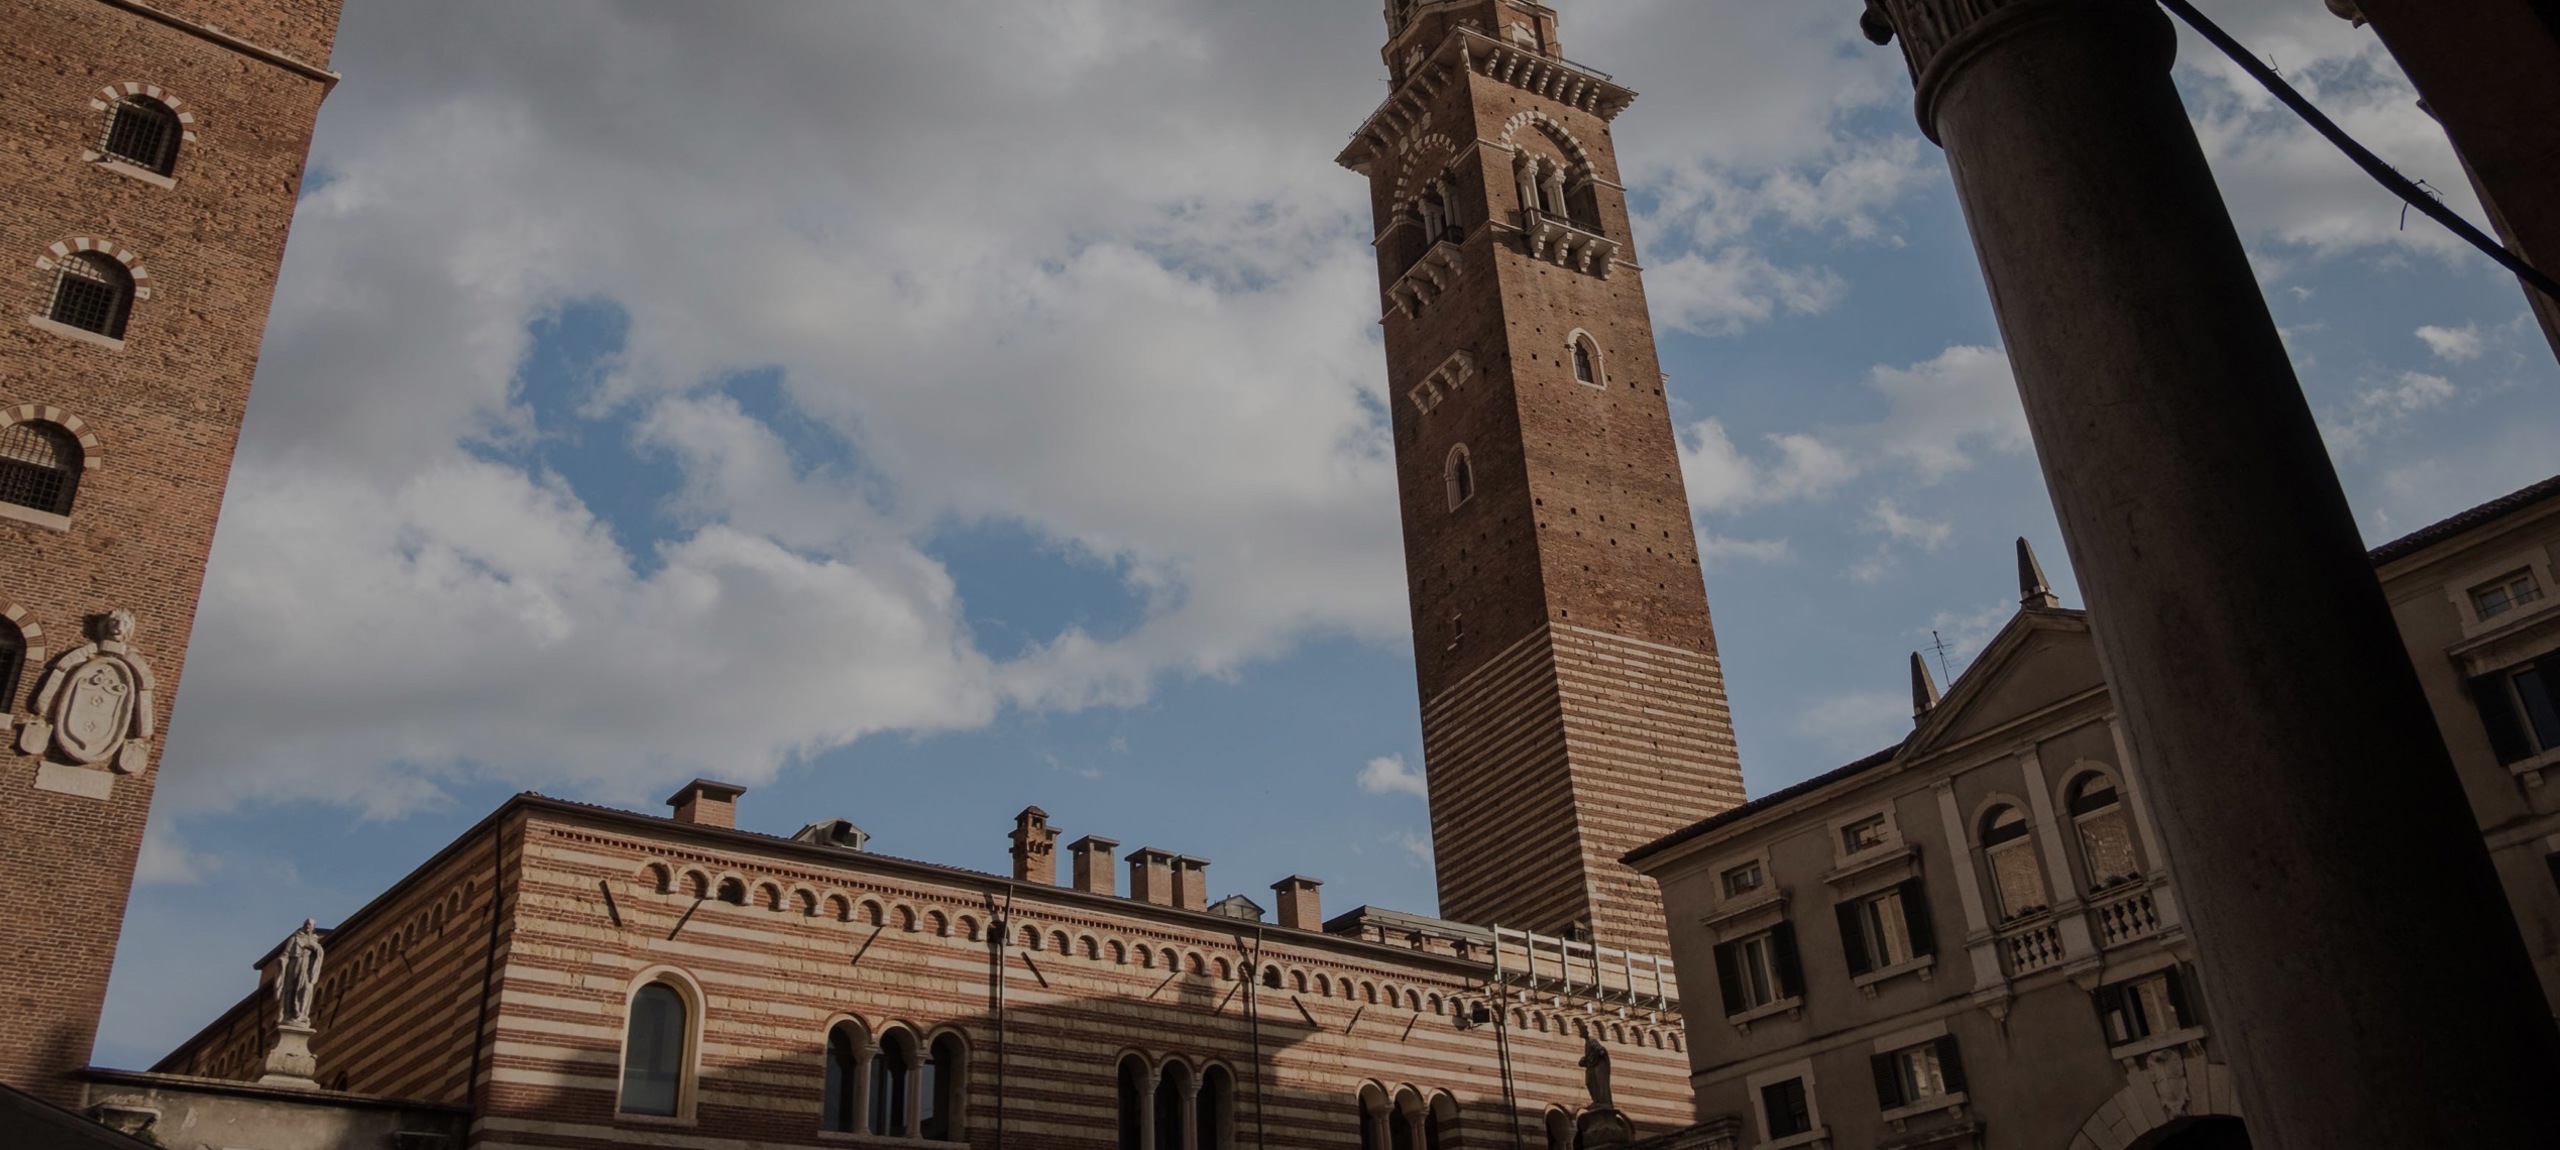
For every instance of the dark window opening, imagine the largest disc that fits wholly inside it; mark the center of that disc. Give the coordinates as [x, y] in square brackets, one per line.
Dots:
[39, 467]
[145, 133]
[93, 293]
[891, 1071]
[1170, 1088]
[2141, 1008]
[2520, 707]
[653, 1052]
[941, 1090]
[1583, 370]
[1133, 1075]
[1784, 1104]
[13, 658]
[844, 1069]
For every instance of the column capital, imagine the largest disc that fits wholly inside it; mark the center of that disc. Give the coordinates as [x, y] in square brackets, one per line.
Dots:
[1939, 36]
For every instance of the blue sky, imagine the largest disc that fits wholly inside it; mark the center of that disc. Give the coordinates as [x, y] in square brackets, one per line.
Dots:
[916, 412]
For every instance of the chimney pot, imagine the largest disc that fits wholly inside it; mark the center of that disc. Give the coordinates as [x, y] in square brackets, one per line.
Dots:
[1035, 848]
[1191, 885]
[1300, 909]
[705, 803]
[1093, 864]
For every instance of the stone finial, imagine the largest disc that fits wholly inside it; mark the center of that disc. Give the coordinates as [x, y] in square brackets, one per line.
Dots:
[1035, 847]
[2033, 590]
[1924, 689]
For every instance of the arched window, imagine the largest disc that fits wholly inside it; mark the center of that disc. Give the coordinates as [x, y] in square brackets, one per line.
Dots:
[1440, 1123]
[2011, 851]
[1375, 1117]
[1586, 365]
[847, 1047]
[92, 292]
[733, 891]
[1172, 1091]
[943, 1063]
[143, 132]
[1133, 1103]
[1559, 1129]
[2106, 843]
[13, 659]
[892, 1073]
[1404, 1127]
[40, 466]
[653, 1052]
[1461, 475]
[1213, 1113]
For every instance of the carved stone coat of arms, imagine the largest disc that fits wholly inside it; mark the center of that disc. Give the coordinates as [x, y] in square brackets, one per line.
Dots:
[96, 704]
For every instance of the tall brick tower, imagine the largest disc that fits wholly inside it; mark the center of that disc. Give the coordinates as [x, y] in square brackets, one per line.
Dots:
[148, 171]
[1572, 704]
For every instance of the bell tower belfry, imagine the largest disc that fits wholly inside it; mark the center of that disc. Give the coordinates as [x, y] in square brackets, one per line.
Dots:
[1572, 704]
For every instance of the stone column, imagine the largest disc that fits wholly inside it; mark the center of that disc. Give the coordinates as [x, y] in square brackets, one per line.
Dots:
[2364, 973]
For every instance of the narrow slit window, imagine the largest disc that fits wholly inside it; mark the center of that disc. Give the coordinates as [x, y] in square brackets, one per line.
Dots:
[1461, 476]
[143, 132]
[1584, 371]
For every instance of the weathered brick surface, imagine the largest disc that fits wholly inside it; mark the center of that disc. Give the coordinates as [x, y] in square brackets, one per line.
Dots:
[1542, 773]
[165, 410]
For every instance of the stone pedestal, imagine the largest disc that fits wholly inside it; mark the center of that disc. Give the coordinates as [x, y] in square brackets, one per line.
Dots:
[1603, 1129]
[2362, 969]
[290, 1063]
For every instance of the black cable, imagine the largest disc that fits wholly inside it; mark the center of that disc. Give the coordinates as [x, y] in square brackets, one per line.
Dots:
[2372, 164]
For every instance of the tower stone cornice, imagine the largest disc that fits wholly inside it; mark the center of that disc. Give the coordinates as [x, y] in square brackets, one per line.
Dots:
[1465, 50]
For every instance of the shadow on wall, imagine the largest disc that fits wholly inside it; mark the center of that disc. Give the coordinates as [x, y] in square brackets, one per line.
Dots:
[1056, 1069]
[2217, 1133]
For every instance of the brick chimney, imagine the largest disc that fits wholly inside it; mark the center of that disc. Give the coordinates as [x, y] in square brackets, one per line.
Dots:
[1190, 882]
[1035, 848]
[705, 803]
[1151, 876]
[1299, 906]
[1093, 864]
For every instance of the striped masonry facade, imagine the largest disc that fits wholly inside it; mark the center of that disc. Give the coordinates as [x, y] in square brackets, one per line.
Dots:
[600, 904]
[1559, 755]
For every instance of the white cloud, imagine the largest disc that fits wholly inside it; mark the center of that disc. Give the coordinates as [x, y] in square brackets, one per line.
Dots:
[1940, 416]
[1900, 530]
[2452, 344]
[1416, 846]
[2379, 411]
[1716, 550]
[167, 861]
[1856, 722]
[1388, 775]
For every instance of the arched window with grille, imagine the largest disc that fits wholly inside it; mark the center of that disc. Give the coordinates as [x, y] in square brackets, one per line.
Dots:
[2016, 876]
[143, 132]
[39, 466]
[91, 292]
[656, 1051]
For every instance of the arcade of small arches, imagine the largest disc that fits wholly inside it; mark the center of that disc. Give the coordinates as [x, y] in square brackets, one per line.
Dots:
[775, 896]
[1404, 1119]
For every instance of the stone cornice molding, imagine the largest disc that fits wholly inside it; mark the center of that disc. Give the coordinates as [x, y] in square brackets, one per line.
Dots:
[1464, 50]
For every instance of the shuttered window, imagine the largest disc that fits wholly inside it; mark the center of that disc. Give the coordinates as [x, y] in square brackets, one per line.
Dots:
[1887, 929]
[2144, 1007]
[1783, 1103]
[1917, 1074]
[1759, 970]
[2520, 708]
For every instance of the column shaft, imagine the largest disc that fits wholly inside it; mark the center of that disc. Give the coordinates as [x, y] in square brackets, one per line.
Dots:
[2364, 975]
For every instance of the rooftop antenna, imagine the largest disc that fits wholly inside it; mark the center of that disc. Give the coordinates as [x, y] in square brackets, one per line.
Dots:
[1940, 646]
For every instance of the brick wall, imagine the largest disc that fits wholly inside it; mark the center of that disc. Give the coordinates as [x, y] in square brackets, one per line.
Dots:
[164, 412]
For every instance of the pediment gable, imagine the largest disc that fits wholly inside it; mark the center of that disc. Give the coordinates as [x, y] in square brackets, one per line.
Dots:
[2040, 659]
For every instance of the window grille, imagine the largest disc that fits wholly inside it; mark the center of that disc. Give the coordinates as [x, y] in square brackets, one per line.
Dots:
[92, 292]
[39, 467]
[144, 133]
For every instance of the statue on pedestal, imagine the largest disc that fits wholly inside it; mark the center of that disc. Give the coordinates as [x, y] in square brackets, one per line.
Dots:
[290, 1062]
[1601, 1126]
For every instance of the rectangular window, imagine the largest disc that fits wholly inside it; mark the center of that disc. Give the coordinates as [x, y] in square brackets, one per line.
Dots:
[1742, 880]
[2505, 593]
[2144, 1007]
[1864, 834]
[1886, 930]
[1915, 1075]
[2520, 707]
[1759, 970]
[1783, 1105]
